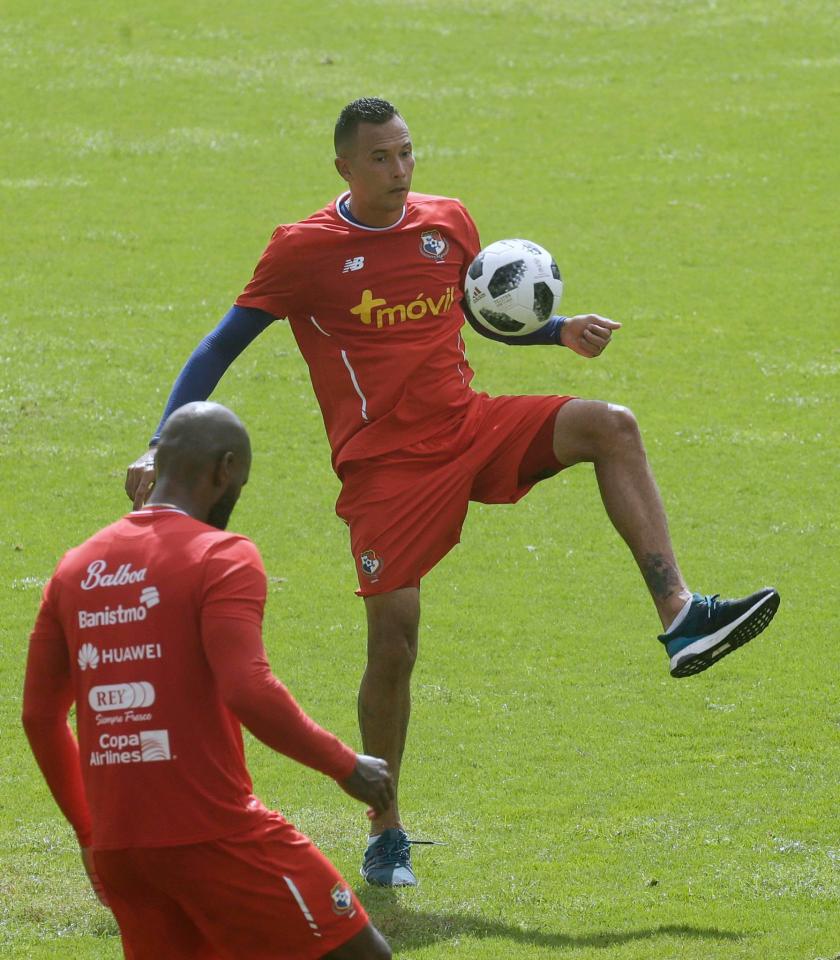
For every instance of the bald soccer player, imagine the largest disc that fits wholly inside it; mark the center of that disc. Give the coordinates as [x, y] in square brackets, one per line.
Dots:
[153, 628]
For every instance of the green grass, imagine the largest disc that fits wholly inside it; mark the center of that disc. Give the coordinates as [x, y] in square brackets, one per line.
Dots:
[680, 159]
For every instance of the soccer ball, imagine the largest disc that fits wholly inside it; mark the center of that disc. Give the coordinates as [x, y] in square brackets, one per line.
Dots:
[513, 287]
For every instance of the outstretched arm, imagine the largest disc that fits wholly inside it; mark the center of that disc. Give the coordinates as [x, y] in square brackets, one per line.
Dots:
[548, 333]
[586, 334]
[211, 358]
[197, 380]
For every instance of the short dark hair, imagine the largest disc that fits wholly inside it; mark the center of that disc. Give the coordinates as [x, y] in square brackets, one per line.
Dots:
[363, 110]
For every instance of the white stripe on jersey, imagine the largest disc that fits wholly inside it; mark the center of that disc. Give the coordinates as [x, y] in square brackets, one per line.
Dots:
[463, 348]
[302, 904]
[319, 327]
[352, 373]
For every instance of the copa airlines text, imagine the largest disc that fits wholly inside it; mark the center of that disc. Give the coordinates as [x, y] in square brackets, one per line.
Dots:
[147, 746]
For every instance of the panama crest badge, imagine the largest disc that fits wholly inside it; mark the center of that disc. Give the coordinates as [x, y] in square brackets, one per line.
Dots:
[371, 564]
[433, 244]
[342, 899]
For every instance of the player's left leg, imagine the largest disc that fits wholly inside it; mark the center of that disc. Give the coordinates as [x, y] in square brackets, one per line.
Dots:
[608, 436]
[404, 514]
[699, 630]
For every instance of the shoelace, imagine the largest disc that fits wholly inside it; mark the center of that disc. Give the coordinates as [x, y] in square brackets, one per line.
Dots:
[709, 600]
[396, 851]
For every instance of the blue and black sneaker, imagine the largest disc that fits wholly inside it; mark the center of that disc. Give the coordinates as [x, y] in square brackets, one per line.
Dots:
[712, 628]
[387, 860]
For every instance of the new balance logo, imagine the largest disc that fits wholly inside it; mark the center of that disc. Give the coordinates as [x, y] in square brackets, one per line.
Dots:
[354, 263]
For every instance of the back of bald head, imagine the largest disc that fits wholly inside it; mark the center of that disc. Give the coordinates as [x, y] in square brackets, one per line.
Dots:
[196, 437]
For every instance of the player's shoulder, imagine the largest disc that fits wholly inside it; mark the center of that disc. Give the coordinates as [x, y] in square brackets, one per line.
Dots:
[233, 547]
[428, 208]
[182, 538]
[298, 239]
[232, 563]
[87, 552]
[325, 219]
[211, 538]
[426, 201]
[81, 566]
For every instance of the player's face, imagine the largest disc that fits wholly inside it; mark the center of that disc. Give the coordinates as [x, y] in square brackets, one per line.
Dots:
[378, 166]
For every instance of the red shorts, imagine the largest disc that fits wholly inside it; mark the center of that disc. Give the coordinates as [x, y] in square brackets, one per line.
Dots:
[266, 893]
[406, 508]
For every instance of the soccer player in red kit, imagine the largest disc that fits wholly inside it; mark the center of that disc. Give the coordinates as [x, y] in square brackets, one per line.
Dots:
[153, 628]
[372, 287]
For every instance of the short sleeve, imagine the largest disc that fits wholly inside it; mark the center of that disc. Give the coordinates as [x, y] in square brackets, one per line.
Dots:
[470, 240]
[234, 583]
[271, 288]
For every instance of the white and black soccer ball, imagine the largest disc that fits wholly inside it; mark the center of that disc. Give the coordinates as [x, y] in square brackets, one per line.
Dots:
[513, 287]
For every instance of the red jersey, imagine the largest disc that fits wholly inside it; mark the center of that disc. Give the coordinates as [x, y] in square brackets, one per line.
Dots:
[377, 315]
[161, 755]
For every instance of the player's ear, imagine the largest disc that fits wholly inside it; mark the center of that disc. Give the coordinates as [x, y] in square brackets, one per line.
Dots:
[224, 468]
[343, 168]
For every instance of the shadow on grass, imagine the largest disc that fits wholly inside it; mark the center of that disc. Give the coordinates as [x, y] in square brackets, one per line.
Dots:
[406, 928]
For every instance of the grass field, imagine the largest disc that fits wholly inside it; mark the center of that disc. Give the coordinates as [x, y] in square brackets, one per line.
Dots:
[681, 159]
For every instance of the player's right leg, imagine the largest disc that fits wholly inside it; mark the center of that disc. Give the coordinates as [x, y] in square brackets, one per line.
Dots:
[698, 630]
[384, 711]
[404, 514]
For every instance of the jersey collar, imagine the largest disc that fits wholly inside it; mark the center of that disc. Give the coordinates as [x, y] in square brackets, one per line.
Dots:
[153, 509]
[347, 216]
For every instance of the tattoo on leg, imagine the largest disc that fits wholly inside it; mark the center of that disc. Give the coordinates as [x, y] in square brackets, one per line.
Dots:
[660, 575]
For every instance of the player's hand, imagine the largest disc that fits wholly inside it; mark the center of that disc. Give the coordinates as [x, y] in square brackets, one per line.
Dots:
[140, 478]
[588, 334]
[93, 876]
[371, 782]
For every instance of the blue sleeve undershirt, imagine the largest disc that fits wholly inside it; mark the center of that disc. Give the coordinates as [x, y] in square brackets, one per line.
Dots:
[241, 325]
[548, 333]
[216, 352]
